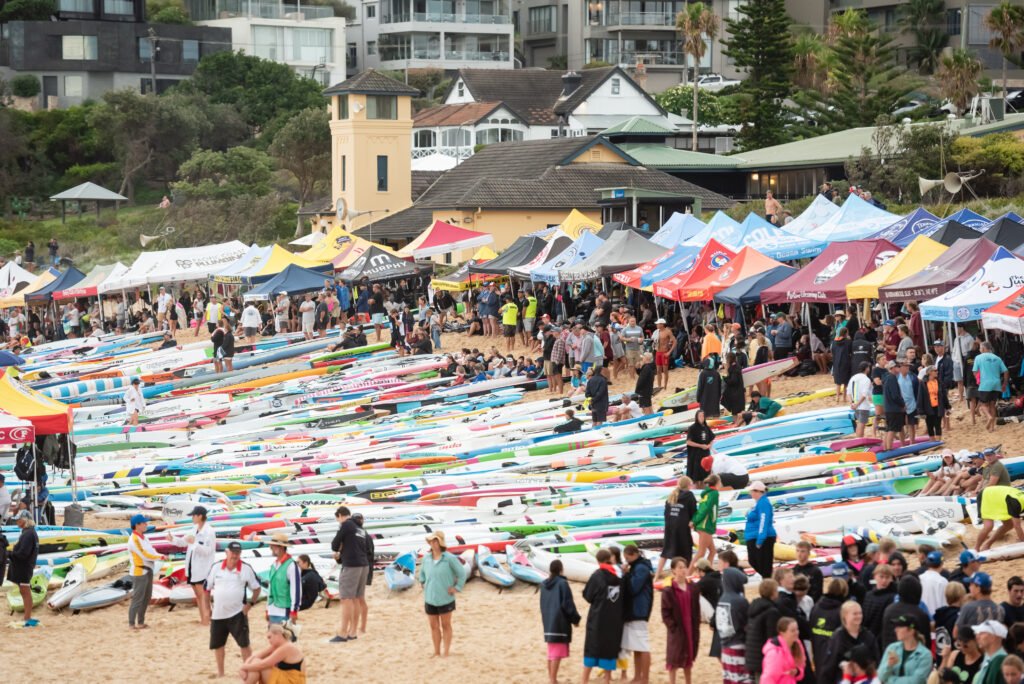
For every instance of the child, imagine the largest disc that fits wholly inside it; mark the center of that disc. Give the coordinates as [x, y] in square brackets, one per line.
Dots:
[705, 521]
[558, 612]
[680, 611]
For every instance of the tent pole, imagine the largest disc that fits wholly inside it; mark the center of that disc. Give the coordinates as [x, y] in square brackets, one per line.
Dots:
[924, 333]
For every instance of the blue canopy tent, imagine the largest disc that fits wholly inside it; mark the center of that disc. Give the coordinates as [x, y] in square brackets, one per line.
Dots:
[902, 233]
[721, 227]
[581, 248]
[65, 280]
[678, 229]
[293, 280]
[748, 291]
[772, 241]
[968, 218]
[1008, 215]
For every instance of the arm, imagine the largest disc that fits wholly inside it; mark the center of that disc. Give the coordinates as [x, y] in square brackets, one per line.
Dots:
[568, 605]
[460, 572]
[763, 521]
[295, 589]
[266, 659]
[667, 616]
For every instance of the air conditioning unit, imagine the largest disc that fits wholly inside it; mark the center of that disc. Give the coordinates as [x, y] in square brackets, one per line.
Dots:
[723, 144]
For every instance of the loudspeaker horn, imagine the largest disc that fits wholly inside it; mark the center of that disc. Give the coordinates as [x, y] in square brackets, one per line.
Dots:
[925, 185]
[952, 182]
[146, 239]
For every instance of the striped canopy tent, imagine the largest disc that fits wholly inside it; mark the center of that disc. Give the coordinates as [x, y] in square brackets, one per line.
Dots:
[443, 238]
[1007, 315]
[41, 281]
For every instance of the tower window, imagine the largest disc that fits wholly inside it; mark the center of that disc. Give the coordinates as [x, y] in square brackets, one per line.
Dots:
[382, 173]
[343, 173]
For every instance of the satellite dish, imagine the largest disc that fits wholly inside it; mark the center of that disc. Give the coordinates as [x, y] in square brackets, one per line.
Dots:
[952, 182]
[925, 185]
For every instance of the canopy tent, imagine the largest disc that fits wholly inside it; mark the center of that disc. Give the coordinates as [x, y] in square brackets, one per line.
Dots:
[947, 271]
[855, 220]
[918, 254]
[293, 279]
[249, 260]
[678, 259]
[376, 264]
[576, 223]
[818, 212]
[65, 280]
[1000, 276]
[902, 233]
[622, 251]
[18, 298]
[337, 247]
[89, 285]
[14, 430]
[772, 241]
[48, 416]
[612, 226]
[1006, 233]
[748, 291]
[557, 243]
[1013, 216]
[951, 231]
[1007, 315]
[13, 278]
[267, 264]
[309, 239]
[444, 238]
[519, 252]
[461, 279]
[484, 254]
[177, 265]
[86, 192]
[826, 277]
[721, 227]
[580, 249]
[747, 263]
[713, 257]
[971, 219]
[678, 229]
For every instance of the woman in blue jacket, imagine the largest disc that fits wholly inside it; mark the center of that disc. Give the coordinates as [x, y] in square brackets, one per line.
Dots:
[759, 532]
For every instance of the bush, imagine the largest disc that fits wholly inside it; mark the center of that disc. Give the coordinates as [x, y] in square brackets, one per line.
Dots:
[26, 85]
[107, 174]
[28, 10]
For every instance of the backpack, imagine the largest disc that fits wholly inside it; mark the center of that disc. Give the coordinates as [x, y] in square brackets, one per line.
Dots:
[25, 463]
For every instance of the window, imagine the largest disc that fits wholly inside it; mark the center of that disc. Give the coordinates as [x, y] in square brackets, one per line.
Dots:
[616, 86]
[542, 19]
[353, 56]
[461, 88]
[456, 137]
[371, 11]
[382, 173]
[381, 107]
[343, 106]
[122, 7]
[190, 51]
[310, 45]
[73, 86]
[78, 47]
[371, 47]
[953, 21]
[78, 6]
[145, 49]
[424, 139]
[343, 173]
[498, 135]
[265, 42]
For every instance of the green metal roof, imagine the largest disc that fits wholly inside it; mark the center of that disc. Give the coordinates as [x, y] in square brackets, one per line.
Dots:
[658, 156]
[638, 126]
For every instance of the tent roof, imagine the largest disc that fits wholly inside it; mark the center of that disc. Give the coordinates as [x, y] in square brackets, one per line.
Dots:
[948, 270]
[14, 430]
[42, 280]
[581, 248]
[772, 241]
[918, 254]
[1006, 233]
[997, 278]
[49, 416]
[720, 224]
[1013, 216]
[557, 243]
[444, 238]
[376, 264]
[177, 265]
[748, 262]
[612, 226]
[89, 192]
[461, 279]
[518, 253]
[87, 286]
[623, 250]
[713, 257]
[1007, 315]
[817, 212]
[250, 259]
[678, 229]
[748, 291]
[826, 277]
[949, 232]
[293, 279]
[577, 222]
[262, 263]
[902, 233]
[971, 219]
[12, 278]
[678, 259]
[855, 220]
[65, 280]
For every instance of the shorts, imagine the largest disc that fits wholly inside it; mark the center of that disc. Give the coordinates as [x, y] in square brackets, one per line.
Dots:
[378, 318]
[528, 324]
[661, 359]
[558, 651]
[439, 610]
[307, 326]
[643, 401]
[970, 393]
[633, 356]
[237, 626]
[250, 332]
[599, 416]
[277, 619]
[211, 326]
[861, 415]
[508, 330]
[636, 637]
[894, 422]
[912, 417]
[958, 373]
[352, 582]
[608, 664]
[877, 400]
[989, 397]
[16, 574]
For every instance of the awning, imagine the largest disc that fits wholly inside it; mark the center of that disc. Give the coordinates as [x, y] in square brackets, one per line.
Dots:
[48, 416]
[721, 225]
[293, 280]
[826, 277]
[1000, 276]
[518, 253]
[14, 430]
[816, 214]
[271, 262]
[65, 280]
[13, 278]
[951, 231]
[747, 263]
[770, 240]
[89, 285]
[581, 248]
[918, 254]
[855, 220]
[971, 219]
[178, 265]
[678, 229]
[444, 238]
[1006, 233]
[308, 240]
[557, 243]
[678, 259]
[41, 281]
[1007, 315]
[461, 278]
[748, 291]
[713, 257]
[376, 264]
[947, 271]
[622, 251]
[337, 244]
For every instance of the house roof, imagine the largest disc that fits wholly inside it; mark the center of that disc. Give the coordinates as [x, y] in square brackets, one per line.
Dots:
[454, 114]
[661, 157]
[89, 192]
[638, 125]
[371, 82]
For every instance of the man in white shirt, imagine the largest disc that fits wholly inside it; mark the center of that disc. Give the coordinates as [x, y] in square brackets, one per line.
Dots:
[628, 409]
[730, 471]
[858, 392]
[163, 300]
[251, 322]
[234, 588]
[134, 402]
[933, 584]
[16, 323]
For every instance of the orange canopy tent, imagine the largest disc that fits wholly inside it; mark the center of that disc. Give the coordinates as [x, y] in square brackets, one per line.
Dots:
[49, 416]
[747, 263]
[713, 256]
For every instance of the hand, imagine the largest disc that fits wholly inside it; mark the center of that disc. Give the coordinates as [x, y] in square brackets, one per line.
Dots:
[759, 547]
[893, 659]
[451, 591]
[245, 608]
[190, 539]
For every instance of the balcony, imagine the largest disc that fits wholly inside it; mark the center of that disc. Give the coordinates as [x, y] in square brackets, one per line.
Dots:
[446, 18]
[476, 56]
[635, 20]
[464, 152]
[255, 9]
[654, 59]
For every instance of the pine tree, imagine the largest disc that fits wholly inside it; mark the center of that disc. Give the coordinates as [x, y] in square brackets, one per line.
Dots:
[760, 43]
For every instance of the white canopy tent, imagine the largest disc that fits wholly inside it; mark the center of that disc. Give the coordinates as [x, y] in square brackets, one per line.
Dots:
[12, 278]
[176, 265]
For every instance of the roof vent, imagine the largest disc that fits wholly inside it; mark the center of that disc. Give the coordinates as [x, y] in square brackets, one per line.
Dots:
[571, 80]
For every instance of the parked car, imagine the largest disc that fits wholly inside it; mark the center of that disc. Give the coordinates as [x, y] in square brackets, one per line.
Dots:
[715, 82]
[1015, 101]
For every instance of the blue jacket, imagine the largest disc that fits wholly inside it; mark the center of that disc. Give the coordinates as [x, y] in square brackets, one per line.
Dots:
[639, 590]
[344, 297]
[892, 397]
[760, 522]
[363, 303]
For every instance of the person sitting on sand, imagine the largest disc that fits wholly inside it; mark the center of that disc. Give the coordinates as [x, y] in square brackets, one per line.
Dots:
[939, 478]
[281, 662]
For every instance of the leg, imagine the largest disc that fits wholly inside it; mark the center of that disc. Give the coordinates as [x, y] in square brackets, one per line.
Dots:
[672, 676]
[986, 530]
[643, 666]
[364, 611]
[435, 632]
[586, 674]
[219, 655]
[26, 599]
[446, 632]
[203, 603]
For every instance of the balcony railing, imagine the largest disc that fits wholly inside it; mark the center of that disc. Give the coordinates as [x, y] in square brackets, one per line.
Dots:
[448, 18]
[464, 152]
[262, 9]
[476, 56]
[663, 19]
[652, 58]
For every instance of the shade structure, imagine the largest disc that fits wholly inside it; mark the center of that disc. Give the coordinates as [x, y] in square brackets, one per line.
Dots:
[855, 220]
[680, 258]
[13, 278]
[826, 277]
[182, 264]
[577, 222]
[612, 226]
[461, 279]
[622, 251]
[557, 243]
[1000, 276]
[337, 245]
[444, 238]
[376, 264]
[48, 416]
[918, 254]
[951, 231]
[309, 239]
[720, 227]
[748, 291]
[747, 263]
[1007, 315]
[678, 229]
[580, 249]
[249, 260]
[1013, 216]
[712, 258]
[817, 213]
[89, 192]
[518, 253]
[772, 241]
[902, 232]
[1006, 233]
[14, 430]
[947, 271]
[971, 219]
[40, 281]
[65, 280]
[267, 265]
[293, 280]
[89, 285]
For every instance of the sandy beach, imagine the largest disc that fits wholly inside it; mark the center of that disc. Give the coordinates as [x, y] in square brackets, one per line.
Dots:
[498, 636]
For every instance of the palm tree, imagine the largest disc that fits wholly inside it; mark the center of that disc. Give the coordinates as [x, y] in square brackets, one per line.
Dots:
[1006, 22]
[697, 25]
[809, 61]
[925, 20]
[958, 75]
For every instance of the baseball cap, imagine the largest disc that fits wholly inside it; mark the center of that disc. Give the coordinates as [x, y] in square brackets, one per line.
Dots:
[982, 579]
[849, 539]
[840, 570]
[839, 312]
[948, 452]
[902, 621]
[861, 656]
[968, 556]
[22, 515]
[871, 548]
[757, 486]
[963, 456]
[199, 510]
[138, 518]
[660, 321]
[934, 559]
[235, 546]
[993, 627]
[891, 365]
[889, 322]
[938, 343]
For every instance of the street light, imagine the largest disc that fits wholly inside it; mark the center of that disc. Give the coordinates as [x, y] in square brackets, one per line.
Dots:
[321, 65]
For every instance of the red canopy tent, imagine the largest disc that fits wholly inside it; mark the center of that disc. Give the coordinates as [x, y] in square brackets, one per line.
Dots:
[1007, 315]
[713, 256]
[747, 263]
[826, 277]
[14, 430]
[442, 238]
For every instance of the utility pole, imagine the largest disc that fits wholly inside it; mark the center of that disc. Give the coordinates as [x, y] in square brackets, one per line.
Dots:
[153, 47]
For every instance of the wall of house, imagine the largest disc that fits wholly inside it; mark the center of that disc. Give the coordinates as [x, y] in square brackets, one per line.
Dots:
[599, 154]
[630, 100]
[506, 225]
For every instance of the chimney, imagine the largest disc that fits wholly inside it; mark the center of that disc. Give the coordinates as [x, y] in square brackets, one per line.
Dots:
[570, 82]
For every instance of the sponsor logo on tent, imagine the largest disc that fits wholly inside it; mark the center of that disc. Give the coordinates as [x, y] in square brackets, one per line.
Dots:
[832, 270]
[963, 313]
[719, 259]
[15, 435]
[342, 240]
[882, 257]
[725, 274]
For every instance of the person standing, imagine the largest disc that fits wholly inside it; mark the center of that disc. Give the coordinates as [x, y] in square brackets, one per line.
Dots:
[30, 255]
[201, 543]
[906, 659]
[963, 343]
[281, 308]
[858, 393]
[23, 562]
[603, 592]
[235, 589]
[990, 635]
[5, 504]
[632, 336]
[213, 313]
[705, 520]
[251, 322]
[509, 312]
[680, 509]
[944, 365]
[804, 566]
[733, 394]
[782, 337]
[764, 616]
[558, 615]
[321, 316]
[993, 379]
[784, 660]
[442, 576]
[731, 614]
[285, 581]
[664, 343]
[894, 405]
[709, 388]
[644, 388]
[163, 301]
[699, 437]
[842, 358]
[772, 209]
[52, 247]
[680, 612]
[597, 392]
[759, 532]
[134, 402]
[638, 583]
[143, 558]
[349, 547]
[931, 402]
[850, 634]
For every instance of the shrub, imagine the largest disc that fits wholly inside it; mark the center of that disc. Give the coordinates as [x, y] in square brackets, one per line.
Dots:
[25, 85]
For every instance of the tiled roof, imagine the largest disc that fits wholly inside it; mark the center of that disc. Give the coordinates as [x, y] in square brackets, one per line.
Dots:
[422, 180]
[371, 82]
[454, 114]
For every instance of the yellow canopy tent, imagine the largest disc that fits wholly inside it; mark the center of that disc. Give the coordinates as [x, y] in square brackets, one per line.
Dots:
[49, 416]
[918, 254]
[337, 242]
[280, 258]
[577, 222]
[18, 299]
[461, 279]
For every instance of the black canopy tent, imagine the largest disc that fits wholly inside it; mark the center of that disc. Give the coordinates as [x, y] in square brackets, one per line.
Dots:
[376, 264]
[519, 252]
[1006, 233]
[953, 231]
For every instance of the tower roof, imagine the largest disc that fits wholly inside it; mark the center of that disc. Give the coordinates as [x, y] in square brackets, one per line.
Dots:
[371, 82]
